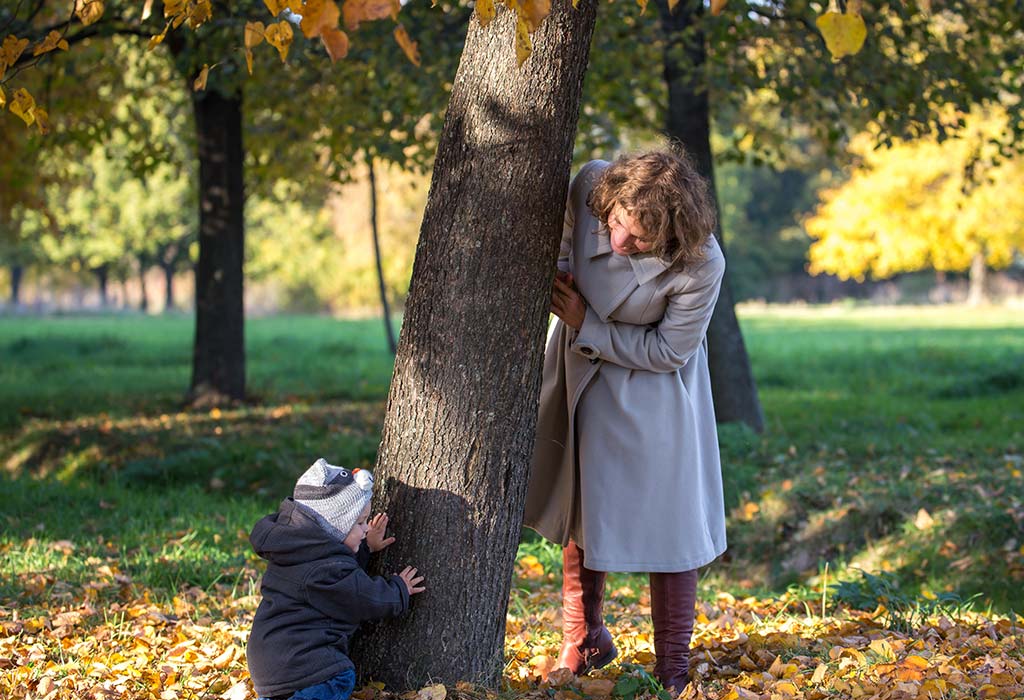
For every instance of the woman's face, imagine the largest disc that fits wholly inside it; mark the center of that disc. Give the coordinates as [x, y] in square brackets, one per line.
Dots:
[625, 233]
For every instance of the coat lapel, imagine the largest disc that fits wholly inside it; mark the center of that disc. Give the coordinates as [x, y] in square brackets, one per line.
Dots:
[606, 298]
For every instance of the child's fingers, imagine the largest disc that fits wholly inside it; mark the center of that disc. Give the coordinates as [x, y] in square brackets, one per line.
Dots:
[388, 541]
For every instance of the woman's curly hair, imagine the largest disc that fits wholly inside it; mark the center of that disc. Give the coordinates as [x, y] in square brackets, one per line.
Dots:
[666, 195]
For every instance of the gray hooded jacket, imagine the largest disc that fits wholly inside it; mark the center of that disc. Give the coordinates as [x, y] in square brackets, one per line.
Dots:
[315, 594]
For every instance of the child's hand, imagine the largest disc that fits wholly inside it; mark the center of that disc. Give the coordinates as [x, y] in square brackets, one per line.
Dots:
[375, 536]
[411, 580]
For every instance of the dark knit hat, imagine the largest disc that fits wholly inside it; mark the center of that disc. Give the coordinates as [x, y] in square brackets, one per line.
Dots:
[336, 494]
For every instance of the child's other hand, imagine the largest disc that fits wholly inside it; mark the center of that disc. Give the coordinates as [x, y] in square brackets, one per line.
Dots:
[375, 536]
[412, 581]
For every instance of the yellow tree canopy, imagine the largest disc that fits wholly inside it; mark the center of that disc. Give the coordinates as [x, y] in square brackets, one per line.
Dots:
[922, 204]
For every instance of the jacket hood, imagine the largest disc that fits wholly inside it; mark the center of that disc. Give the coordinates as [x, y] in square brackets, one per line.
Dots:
[292, 536]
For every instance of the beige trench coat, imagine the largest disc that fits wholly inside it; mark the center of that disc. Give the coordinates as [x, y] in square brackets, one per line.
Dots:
[640, 486]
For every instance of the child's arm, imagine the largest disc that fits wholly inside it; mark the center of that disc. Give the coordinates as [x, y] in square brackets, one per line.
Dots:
[351, 594]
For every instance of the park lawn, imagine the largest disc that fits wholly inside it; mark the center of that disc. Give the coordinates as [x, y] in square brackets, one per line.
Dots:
[894, 446]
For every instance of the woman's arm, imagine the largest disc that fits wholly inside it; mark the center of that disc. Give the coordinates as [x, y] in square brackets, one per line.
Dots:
[664, 347]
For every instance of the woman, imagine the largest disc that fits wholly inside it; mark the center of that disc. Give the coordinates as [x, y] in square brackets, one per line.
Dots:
[626, 473]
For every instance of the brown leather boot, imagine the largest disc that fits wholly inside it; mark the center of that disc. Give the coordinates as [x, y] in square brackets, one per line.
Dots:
[586, 642]
[672, 599]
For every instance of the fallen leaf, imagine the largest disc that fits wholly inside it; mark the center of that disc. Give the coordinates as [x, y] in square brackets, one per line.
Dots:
[432, 692]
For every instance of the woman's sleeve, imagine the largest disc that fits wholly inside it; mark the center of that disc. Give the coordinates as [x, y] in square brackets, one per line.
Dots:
[666, 346]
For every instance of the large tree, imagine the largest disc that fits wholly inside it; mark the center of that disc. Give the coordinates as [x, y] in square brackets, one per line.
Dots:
[459, 429]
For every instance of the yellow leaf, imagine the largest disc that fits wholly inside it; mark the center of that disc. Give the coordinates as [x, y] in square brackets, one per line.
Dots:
[53, 40]
[536, 10]
[523, 45]
[200, 82]
[248, 60]
[672, 5]
[318, 15]
[254, 32]
[916, 661]
[924, 520]
[89, 11]
[3, 97]
[484, 11]
[336, 43]
[157, 39]
[356, 11]
[643, 5]
[716, 6]
[23, 105]
[10, 51]
[226, 657]
[280, 37]
[276, 7]
[42, 120]
[786, 687]
[530, 567]
[844, 34]
[819, 674]
[432, 692]
[410, 47]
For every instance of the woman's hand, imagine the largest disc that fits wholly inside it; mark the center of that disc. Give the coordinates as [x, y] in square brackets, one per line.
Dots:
[566, 301]
[375, 536]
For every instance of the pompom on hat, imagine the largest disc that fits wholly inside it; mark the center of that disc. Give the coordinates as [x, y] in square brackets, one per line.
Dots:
[335, 494]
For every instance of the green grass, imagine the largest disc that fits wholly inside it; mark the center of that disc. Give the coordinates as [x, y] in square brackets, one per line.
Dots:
[873, 415]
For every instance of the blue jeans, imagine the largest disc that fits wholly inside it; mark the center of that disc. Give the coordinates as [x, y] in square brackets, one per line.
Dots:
[338, 688]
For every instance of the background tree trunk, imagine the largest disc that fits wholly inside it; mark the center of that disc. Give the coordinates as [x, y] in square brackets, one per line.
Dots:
[143, 296]
[388, 328]
[168, 287]
[977, 292]
[17, 272]
[218, 361]
[102, 279]
[459, 430]
[689, 121]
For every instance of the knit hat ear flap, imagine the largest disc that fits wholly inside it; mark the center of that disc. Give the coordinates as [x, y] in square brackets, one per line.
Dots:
[337, 495]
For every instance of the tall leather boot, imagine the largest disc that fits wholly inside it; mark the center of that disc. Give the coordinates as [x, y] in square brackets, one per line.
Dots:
[586, 642]
[672, 610]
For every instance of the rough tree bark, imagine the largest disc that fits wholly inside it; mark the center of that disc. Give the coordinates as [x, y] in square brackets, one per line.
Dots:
[168, 271]
[218, 359]
[458, 434]
[689, 121]
[388, 328]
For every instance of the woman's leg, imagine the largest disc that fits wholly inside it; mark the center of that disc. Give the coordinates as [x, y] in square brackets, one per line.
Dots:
[673, 597]
[586, 642]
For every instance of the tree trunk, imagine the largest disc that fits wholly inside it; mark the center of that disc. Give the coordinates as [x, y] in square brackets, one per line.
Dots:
[689, 122]
[102, 279]
[459, 430]
[17, 273]
[143, 297]
[977, 277]
[388, 328]
[218, 364]
[168, 271]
